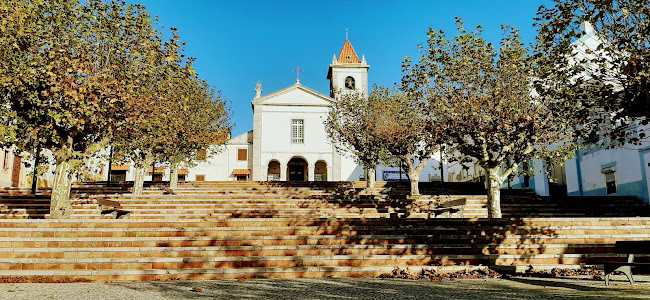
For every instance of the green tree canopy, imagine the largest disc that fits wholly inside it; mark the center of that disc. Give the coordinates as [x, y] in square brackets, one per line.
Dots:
[407, 130]
[352, 124]
[66, 70]
[484, 100]
[603, 65]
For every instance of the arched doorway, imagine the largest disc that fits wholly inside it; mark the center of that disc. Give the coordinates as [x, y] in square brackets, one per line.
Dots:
[296, 169]
[273, 173]
[320, 171]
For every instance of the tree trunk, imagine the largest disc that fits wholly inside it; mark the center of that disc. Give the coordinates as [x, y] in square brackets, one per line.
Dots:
[442, 166]
[413, 173]
[60, 207]
[370, 179]
[138, 178]
[413, 178]
[36, 162]
[494, 181]
[110, 166]
[173, 176]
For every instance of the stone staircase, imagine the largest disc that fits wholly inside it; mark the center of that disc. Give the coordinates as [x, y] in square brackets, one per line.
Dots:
[269, 200]
[526, 203]
[213, 230]
[285, 247]
[19, 203]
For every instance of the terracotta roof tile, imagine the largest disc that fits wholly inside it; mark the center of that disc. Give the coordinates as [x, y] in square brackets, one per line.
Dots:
[241, 172]
[120, 167]
[182, 171]
[347, 54]
[159, 170]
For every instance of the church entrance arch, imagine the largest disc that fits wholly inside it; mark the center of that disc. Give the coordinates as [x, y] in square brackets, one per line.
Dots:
[297, 169]
[320, 171]
[273, 171]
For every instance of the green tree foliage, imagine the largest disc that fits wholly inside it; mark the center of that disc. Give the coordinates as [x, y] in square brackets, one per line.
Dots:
[352, 124]
[75, 75]
[607, 80]
[200, 120]
[65, 71]
[406, 130]
[482, 99]
[148, 110]
[172, 115]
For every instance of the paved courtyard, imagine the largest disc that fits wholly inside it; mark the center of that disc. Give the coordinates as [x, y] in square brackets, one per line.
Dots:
[338, 288]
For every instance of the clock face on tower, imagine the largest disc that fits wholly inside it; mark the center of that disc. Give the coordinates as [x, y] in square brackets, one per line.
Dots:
[349, 83]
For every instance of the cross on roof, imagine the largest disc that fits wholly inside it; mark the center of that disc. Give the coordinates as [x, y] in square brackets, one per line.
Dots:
[298, 70]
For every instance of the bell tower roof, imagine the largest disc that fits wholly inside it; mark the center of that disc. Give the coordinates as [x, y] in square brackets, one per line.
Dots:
[347, 54]
[348, 73]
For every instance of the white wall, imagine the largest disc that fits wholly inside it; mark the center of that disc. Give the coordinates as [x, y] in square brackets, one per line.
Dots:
[629, 163]
[430, 172]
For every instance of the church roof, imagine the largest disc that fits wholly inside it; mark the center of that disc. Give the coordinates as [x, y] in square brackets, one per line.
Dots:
[347, 54]
[277, 98]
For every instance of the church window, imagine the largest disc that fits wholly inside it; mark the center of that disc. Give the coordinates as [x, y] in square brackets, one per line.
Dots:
[349, 83]
[298, 131]
[241, 154]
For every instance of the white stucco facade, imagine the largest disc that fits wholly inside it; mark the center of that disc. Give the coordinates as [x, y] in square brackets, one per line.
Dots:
[273, 129]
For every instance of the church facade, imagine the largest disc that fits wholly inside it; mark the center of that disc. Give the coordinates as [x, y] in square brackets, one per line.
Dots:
[288, 141]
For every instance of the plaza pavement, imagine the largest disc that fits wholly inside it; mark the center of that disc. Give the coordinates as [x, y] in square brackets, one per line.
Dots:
[579, 287]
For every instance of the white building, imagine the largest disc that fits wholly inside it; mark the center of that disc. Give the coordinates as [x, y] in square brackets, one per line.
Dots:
[288, 141]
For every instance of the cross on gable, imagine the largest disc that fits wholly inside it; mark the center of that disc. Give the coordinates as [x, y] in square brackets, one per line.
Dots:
[298, 70]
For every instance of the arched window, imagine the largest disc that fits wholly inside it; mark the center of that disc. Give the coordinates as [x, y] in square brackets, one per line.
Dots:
[349, 83]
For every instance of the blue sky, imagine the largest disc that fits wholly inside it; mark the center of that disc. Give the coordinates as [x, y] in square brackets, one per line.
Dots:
[237, 43]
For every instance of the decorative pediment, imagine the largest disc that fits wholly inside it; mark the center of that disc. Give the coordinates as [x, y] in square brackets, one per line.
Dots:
[294, 95]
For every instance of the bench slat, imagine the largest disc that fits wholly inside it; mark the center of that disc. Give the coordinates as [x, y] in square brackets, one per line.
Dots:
[632, 247]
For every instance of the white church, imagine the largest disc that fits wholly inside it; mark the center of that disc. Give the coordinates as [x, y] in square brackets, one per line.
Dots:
[288, 141]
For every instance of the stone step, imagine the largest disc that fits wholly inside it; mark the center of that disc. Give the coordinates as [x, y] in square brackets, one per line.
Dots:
[215, 262]
[450, 251]
[593, 221]
[226, 273]
[313, 231]
[292, 240]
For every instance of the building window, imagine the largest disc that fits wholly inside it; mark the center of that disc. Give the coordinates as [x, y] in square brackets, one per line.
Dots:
[200, 177]
[242, 154]
[298, 131]
[610, 182]
[4, 161]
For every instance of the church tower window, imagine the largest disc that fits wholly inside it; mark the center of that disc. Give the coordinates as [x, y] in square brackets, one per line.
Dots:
[298, 131]
[349, 83]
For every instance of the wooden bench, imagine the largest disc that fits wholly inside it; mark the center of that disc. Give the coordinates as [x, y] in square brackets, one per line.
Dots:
[167, 190]
[111, 207]
[630, 248]
[450, 207]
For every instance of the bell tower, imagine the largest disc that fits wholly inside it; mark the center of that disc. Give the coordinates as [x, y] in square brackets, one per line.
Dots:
[347, 73]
